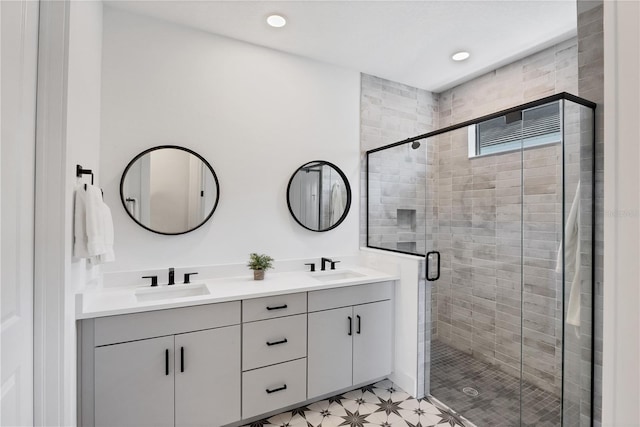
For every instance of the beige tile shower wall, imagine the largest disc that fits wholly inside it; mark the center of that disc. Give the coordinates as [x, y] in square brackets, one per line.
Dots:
[481, 217]
[591, 87]
[478, 300]
[391, 112]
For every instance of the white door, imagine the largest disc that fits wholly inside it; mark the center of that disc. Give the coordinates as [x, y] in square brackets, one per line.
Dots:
[208, 376]
[18, 58]
[329, 354]
[134, 384]
[372, 341]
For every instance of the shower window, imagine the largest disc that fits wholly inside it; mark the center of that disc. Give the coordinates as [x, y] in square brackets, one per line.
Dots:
[535, 126]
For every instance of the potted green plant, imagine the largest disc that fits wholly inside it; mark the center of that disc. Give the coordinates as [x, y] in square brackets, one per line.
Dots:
[259, 264]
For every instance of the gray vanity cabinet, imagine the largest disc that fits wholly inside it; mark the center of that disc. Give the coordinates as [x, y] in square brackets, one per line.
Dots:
[372, 341]
[176, 367]
[274, 343]
[349, 345]
[138, 382]
[131, 384]
[216, 364]
[207, 372]
[330, 351]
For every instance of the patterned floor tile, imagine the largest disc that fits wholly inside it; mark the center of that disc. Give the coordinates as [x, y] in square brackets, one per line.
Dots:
[382, 404]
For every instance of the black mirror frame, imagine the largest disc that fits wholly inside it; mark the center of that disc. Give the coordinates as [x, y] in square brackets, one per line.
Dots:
[177, 147]
[347, 205]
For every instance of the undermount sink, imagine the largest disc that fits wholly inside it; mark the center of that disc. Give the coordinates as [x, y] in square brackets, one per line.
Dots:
[169, 292]
[337, 275]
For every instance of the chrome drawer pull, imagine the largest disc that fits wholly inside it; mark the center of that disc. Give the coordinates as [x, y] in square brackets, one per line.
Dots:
[284, 387]
[277, 342]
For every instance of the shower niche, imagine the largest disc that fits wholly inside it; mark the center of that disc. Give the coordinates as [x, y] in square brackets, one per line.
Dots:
[406, 219]
[506, 200]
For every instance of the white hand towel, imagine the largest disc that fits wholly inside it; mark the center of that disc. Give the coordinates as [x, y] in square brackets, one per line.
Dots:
[107, 224]
[79, 224]
[93, 226]
[569, 251]
[96, 239]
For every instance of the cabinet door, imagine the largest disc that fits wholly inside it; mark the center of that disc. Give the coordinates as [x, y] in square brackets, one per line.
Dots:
[372, 341]
[329, 351]
[134, 383]
[207, 367]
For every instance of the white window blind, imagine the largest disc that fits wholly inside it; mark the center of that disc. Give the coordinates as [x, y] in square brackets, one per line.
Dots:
[539, 125]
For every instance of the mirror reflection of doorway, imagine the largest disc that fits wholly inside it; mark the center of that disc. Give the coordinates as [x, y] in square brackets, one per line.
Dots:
[169, 190]
[306, 195]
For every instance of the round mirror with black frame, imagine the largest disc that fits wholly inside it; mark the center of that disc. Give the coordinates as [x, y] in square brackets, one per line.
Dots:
[319, 196]
[169, 190]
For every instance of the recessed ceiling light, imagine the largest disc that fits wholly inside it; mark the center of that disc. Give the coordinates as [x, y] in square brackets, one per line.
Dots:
[460, 56]
[276, 21]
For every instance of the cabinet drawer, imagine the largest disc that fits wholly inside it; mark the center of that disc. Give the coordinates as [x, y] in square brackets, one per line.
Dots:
[131, 327]
[349, 295]
[273, 387]
[273, 341]
[275, 306]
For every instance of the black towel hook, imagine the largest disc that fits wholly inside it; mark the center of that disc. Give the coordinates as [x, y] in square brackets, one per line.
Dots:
[81, 171]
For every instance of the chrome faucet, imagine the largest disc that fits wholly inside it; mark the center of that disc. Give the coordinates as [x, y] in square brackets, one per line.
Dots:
[172, 278]
[325, 260]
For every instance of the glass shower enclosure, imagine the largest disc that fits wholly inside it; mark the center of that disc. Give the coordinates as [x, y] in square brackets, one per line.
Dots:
[501, 209]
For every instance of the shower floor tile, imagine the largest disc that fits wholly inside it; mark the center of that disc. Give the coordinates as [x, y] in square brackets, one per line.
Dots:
[498, 401]
[380, 404]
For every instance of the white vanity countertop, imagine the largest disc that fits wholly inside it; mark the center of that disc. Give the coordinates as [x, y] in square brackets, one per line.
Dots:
[122, 300]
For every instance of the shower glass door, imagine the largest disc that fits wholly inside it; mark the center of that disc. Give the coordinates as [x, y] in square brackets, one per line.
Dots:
[401, 199]
[575, 279]
[504, 206]
[511, 318]
[476, 305]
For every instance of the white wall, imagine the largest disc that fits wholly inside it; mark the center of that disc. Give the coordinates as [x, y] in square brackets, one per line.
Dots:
[621, 336]
[408, 366]
[83, 110]
[83, 147]
[255, 114]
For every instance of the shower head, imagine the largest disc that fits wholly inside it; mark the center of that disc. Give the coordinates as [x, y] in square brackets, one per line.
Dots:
[415, 145]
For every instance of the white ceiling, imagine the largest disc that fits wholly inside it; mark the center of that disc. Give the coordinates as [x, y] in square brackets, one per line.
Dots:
[405, 41]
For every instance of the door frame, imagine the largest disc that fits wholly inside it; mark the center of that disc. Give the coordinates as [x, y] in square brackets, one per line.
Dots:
[54, 319]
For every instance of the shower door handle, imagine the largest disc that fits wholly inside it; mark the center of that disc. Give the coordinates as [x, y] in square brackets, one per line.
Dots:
[432, 273]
